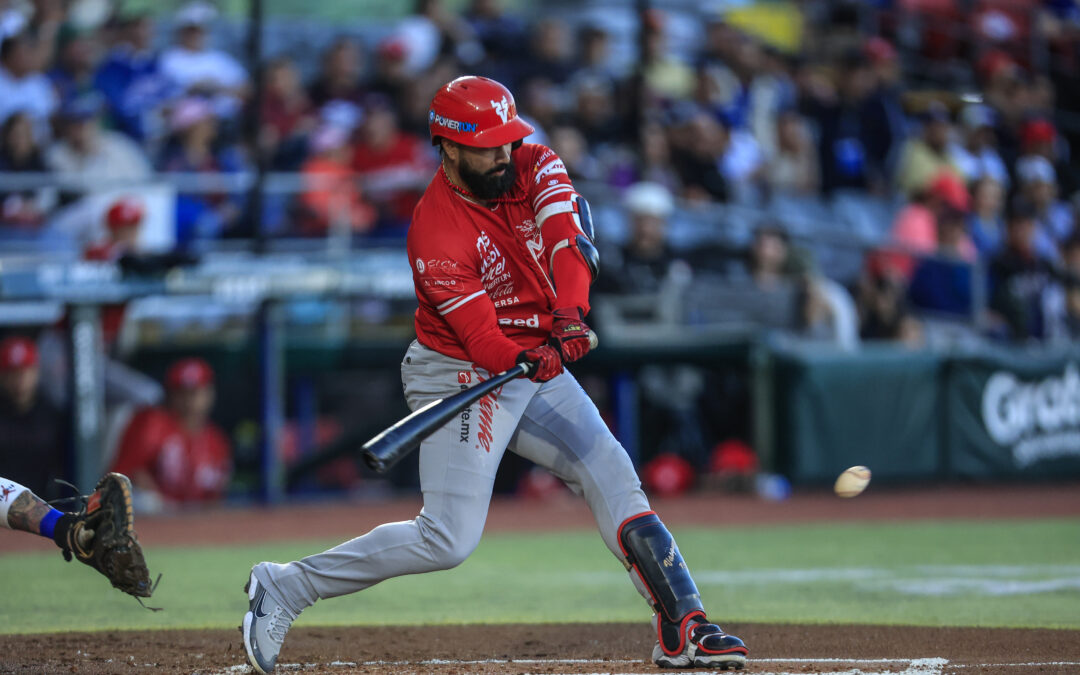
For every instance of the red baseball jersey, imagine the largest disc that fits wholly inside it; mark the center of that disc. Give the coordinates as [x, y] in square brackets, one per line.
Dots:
[485, 285]
[186, 466]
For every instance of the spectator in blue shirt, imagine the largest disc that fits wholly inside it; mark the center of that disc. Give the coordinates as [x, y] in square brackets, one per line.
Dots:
[77, 55]
[194, 148]
[986, 223]
[131, 80]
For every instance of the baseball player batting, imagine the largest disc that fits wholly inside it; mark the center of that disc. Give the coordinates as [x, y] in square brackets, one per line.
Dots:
[502, 257]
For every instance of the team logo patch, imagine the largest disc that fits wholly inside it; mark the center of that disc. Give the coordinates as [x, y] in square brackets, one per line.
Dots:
[420, 266]
[464, 377]
[502, 108]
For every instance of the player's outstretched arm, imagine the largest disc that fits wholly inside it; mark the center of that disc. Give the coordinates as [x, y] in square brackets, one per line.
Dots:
[100, 533]
[26, 512]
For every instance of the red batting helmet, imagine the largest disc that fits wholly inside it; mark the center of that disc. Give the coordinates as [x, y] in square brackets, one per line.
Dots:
[125, 212]
[476, 111]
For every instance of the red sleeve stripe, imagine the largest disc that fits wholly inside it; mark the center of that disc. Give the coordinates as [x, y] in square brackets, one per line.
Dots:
[553, 209]
[451, 305]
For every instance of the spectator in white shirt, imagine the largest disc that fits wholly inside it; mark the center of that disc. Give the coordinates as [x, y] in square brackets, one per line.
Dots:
[977, 156]
[23, 88]
[199, 70]
[1053, 218]
[87, 157]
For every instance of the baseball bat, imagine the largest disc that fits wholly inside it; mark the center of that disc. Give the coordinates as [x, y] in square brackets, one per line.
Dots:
[401, 438]
[396, 441]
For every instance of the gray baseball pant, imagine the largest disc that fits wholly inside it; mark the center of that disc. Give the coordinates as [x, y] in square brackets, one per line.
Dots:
[554, 424]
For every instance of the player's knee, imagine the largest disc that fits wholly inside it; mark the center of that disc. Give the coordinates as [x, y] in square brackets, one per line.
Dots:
[448, 547]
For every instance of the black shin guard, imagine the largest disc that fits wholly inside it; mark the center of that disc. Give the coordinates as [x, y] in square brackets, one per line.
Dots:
[651, 550]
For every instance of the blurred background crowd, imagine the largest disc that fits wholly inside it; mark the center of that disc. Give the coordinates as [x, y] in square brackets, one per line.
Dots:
[835, 170]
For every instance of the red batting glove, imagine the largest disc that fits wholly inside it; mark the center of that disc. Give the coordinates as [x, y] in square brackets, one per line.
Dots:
[545, 360]
[570, 334]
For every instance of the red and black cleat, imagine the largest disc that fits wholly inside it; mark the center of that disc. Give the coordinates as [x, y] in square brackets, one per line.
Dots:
[706, 645]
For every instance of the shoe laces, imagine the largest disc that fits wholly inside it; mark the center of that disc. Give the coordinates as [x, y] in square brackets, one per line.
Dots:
[278, 624]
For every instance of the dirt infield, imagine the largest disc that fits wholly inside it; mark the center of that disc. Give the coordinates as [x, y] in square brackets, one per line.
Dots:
[566, 648]
[569, 648]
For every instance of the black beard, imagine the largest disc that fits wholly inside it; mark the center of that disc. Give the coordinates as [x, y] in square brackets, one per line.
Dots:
[488, 186]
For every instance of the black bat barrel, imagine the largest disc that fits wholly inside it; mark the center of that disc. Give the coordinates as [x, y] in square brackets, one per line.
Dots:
[385, 450]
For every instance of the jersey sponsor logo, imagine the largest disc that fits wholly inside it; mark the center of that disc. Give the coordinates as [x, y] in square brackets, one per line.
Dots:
[441, 264]
[552, 168]
[540, 162]
[501, 291]
[506, 302]
[6, 491]
[452, 125]
[530, 322]
[502, 108]
[440, 282]
[493, 268]
[488, 406]
[464, 428]
[420, 266]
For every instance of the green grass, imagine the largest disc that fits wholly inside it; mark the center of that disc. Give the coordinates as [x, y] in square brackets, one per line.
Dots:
[1022, 573]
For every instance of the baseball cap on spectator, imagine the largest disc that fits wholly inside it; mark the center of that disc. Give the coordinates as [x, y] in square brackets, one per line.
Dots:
[17, 353]
[879, 50]
[976, 116]
[392, 49]
[995, 63]
[12, 22]
[189, 112]
[1035, 169]
[195, 14]
[649, 199]
[124, 212]
[1037, 132]
[68, 33]
[951, 191]
[328, 137]
[189, 373]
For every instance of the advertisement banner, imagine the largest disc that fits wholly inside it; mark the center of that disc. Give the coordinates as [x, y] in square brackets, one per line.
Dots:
[1013, 416]
[875, 407]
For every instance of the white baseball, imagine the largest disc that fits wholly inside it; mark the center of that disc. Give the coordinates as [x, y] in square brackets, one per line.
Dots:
[852, 482]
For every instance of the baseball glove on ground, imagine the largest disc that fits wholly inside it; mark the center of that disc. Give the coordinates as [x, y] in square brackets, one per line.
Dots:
[102, 535]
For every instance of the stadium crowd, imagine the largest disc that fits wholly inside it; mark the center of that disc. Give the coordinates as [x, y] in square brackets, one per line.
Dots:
[928, 140]
[955, 133]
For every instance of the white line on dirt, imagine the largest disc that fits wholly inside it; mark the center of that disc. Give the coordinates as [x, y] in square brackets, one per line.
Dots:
[1037, 664]
[931, 666]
